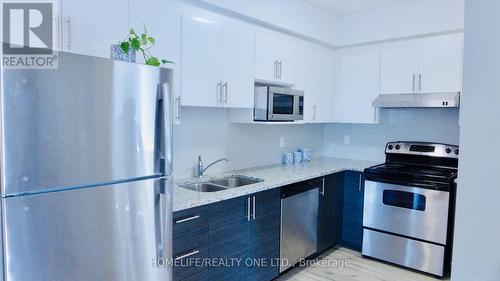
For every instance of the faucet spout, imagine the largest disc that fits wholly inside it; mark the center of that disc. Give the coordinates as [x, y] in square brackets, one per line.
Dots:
[201, 170]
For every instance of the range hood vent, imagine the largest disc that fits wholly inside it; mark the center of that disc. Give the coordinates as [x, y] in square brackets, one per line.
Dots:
[417, 100]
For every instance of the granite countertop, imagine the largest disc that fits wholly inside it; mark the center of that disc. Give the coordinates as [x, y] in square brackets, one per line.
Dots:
[273, 176]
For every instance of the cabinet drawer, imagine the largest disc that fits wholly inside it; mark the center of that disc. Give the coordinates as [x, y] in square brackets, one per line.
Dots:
[190, 229]
[188, 263]
[188, 220]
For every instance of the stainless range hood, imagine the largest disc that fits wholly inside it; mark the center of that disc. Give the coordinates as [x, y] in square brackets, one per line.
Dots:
[417, 100]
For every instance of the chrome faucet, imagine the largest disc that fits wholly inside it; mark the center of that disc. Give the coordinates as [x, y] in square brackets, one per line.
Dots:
[200, 170]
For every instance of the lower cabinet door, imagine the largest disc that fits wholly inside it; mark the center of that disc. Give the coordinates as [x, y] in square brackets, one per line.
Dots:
[264, 236]
[228, 239]
[330, 211]
[352, 226]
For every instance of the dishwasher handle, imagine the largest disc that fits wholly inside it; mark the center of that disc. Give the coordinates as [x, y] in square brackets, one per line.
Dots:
[300, 187]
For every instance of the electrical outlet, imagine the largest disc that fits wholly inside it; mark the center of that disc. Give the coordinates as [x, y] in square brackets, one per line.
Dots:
[282, 142]
[347, 139]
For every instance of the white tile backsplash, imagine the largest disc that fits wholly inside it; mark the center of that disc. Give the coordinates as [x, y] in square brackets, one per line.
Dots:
[208, 132]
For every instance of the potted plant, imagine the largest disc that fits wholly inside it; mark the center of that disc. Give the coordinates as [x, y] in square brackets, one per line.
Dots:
[126, 50]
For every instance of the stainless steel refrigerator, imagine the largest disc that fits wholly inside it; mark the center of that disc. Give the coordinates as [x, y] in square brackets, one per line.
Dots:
[86, 163]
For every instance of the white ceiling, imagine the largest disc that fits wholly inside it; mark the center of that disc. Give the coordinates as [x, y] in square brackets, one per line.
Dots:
[345, 7]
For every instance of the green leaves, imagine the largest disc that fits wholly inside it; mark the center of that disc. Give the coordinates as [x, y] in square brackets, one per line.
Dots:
[142, 43]
[136, 45]
[125, 46]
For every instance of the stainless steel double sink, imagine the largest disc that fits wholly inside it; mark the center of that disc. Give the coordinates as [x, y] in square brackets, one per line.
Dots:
[219, 184]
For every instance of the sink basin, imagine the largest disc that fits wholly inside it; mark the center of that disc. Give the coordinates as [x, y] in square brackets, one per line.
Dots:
[203, 187]
[235, 181]
[220, 184]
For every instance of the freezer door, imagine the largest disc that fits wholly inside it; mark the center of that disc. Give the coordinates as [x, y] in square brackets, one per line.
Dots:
[117, 232]
[90, 121]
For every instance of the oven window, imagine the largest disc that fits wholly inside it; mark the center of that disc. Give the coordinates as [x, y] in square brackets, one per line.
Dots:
[283, 104]
[404, 199]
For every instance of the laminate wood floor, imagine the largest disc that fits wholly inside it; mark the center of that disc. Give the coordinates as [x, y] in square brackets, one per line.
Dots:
[358, 269]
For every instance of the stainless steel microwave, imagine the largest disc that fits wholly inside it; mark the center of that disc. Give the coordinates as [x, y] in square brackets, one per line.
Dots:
[278, 104]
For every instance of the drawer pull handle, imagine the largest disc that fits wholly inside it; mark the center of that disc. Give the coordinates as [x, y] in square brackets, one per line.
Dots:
[187, 219]
[187, 255]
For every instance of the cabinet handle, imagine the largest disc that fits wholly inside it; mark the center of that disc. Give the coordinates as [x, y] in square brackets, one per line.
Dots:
[420, 82]
[375, 115]
[225, 92]
[187, 255]
[323, 188]
[68, 24]
[275, 69]
[179, 108]
[219, 91]
[360, 181]
[253, 208]
[414, 77]
[58, 33]
[280, 69]
[314, 112]
[187, 219]
[248, 208]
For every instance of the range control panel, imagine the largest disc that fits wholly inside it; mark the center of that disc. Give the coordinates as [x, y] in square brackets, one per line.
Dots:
[423, 148]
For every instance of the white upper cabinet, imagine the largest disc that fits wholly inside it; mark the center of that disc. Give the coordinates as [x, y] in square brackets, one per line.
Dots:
[398, 68]
[440, 64]
[217, 63]
[274, 57]
[315, 75]
[91, 27]
[201, 62]
[430, 65]
[238, 65]
[357, 86]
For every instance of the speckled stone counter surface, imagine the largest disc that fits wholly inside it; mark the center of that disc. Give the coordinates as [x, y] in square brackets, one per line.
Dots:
[273, 175]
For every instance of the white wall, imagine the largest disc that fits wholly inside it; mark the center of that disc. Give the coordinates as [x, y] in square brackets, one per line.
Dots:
[207, 132]
[367, 142]
[415, 18]
[295, 16]
[476, 253]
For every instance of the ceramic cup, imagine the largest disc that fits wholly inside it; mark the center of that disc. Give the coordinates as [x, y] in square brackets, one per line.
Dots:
[297, 157]
[287, 159]
[306, 154]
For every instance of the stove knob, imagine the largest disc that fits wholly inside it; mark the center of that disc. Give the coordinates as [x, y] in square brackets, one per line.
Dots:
[456, 151]
[390, 147]
[398, 147]
[448, 150]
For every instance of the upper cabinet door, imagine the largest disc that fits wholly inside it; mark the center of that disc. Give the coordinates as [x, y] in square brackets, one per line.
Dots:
[238, 65]
[399, 67]
[201, 62]
[440, 64]
[315, 75]
[357, 86]
[266, 56]
[91, 27]
[286, 60]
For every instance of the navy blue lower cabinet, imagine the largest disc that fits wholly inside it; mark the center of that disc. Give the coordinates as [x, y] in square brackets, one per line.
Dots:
[228, 239]
[190, 242]
[352, 226]
[264, 236]
[330, 211]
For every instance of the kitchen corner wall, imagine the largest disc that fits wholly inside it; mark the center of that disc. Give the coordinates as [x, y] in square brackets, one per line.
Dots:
[367, 142]
[208, 132]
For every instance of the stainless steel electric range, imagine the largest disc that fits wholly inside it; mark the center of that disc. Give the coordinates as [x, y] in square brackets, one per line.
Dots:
[409, 206]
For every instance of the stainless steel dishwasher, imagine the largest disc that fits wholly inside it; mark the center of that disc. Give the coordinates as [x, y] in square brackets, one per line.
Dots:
[299, 221]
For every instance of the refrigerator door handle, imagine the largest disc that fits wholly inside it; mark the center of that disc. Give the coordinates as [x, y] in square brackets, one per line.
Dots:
[167, 146]
[162, 218]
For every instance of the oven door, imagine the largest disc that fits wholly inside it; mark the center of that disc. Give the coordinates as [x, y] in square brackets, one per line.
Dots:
[406, 210]
[284, 105]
